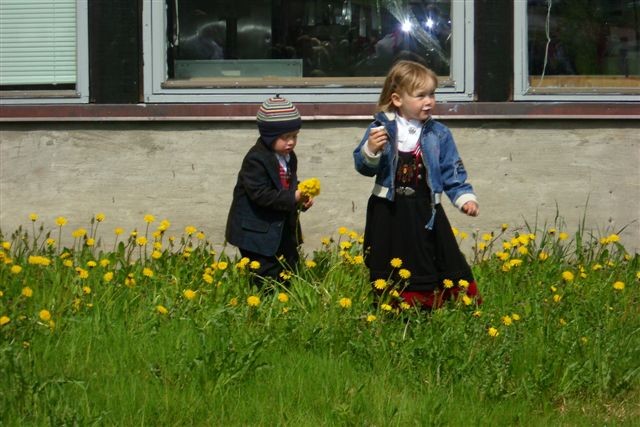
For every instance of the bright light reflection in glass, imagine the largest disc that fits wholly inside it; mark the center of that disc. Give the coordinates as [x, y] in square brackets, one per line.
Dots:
[429, 23]
[406, 26]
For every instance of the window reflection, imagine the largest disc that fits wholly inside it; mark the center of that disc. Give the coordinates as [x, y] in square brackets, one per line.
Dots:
[570, 42]
[288, 38]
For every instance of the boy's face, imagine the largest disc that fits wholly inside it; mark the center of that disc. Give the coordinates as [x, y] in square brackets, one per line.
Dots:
[286, 142]
[416, 105]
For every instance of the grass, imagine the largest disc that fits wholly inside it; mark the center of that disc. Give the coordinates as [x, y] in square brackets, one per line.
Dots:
[163, 330]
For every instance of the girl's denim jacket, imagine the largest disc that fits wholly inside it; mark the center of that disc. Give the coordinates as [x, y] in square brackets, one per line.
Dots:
[445, 171]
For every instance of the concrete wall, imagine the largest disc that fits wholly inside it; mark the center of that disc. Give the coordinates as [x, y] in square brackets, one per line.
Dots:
[185, 172]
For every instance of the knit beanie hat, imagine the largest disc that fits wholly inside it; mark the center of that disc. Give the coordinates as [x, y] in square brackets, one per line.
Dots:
[277, 116]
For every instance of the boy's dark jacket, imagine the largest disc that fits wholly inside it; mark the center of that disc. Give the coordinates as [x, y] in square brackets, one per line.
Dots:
[262, 212]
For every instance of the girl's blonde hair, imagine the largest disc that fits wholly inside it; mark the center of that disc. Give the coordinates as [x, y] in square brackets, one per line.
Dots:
[404, 77]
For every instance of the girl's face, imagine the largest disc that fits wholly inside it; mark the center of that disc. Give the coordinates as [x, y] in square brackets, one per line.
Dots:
[416, 105]
[286, 142]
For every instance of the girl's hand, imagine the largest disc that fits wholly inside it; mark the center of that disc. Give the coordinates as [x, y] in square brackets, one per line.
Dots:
[306, 204]
[471, 208]
[378, 137]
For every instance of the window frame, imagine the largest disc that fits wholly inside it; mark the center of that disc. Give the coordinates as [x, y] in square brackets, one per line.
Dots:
[56, 96]
[155, 69]
[522, 90]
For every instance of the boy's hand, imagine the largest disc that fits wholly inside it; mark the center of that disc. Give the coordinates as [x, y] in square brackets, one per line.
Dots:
[378, 137]
[471, 208]
[306, 204]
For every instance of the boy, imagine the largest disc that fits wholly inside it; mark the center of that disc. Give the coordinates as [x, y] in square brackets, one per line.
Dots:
[263, 219]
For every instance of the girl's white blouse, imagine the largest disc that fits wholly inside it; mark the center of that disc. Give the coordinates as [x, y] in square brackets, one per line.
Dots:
[408, 133]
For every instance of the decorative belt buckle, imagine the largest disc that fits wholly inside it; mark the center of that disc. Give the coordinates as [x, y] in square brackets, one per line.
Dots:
[405, 191]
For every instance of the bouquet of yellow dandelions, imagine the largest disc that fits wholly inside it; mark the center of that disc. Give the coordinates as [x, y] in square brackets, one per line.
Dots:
[309, 188]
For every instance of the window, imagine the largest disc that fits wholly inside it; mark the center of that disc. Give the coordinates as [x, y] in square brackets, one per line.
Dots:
[577, 49]
[312, 51]
[43, 51]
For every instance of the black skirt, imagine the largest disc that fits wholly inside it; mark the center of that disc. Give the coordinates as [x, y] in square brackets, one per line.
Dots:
[397, 230]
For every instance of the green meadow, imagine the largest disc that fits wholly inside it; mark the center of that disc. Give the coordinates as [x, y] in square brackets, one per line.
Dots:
[154, 327]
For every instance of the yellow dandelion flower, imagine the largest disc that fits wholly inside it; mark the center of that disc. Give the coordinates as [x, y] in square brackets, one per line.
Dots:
[254, 265]
[244, 261]
[310, 187]
[385, 307]
[396, 263]
[467, 300]
[493, 332]
[141, 241]
[523, 250]
[44, 315]
[454, 231]
[380, 284]
[4, 320]
[149, 218]
[33, 217]
[557, 298]
[50, 241]
[189, 294]
[207, 278]
[506, 320]
[487, 237]
[285, 275]
[130, 280]
[161, 309]
[553, 288]
[118, 231]
[516, 262]
[481, 246]
[563, 236]
[448, 284]
[325, 241]
[504, 227]
[503, 256]
[61, 221]
[405, 305]
[91, 264]
[618, 286]
[222, 265]
[86, 290]
[282, 297]
[310, 263]
[394, 293]
[67, 263]
[200, 235]
[78, 232]
[543, 256]
[353, 235]
[90, 241]
[477, 313]
[164, 225]
[233, 302]
[345, 302]
[345, 245]
[371, 318]
[190, 229]
[358, 260]
[100, 217]
[463, 235]
[567, 276]
[253, 301]
[506, 246]
[27, 292]
[147, 272]
[552, 231]
[104, 262]
[108, 276]
[404, 273]
[343, 230]
[463, 283]
[612, 238]
[515, 316]
[82, 273]
[156, 254]
[15, 269]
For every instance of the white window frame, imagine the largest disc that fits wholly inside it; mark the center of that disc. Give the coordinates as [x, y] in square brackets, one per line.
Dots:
[81, 93]
[522, 89]
[155, 68]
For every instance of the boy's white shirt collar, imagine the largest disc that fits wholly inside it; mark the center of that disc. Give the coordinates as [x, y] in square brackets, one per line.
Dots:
[283, 160]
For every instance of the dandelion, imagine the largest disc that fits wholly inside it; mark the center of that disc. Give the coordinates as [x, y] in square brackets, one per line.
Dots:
[147, 272]
[33, 217]
[90, 241]
[50, 241]
[104, 262]
[371, 318]
[345, 245]
[285, 275]
[130, 281]
[504, 227]
[345, 302]
[44, 315]
[454, 231]
[567, 276]
[190, 229]
[503, 256]
[222, 265]
[477, 313]
[463, 283]
[618, 286]
[543, 256]
[283, 298]
[466, 300]
[552, 231]
[310, 187]
[189, 294]
[404, 273]
[385, 307]
[326, 241]
[405, 305]
[448, 284]
[207, 278]
[253, 301]
[67, 263]
[78, 233]
[487, 237]
[481, 246]
[506, 246]
[141, 241]
[4, 320]
[61, 221]
[396, 263]
[310, 263]
[394, 293]
[233, 302]
[358, 260]
[493, 332]
[108, 276]
[118, 231]
[515, 316]
[523, 250]
[463, 235]
[82, 273]
[27, 292]
[156, 254]
[100, 217]
[161, 309]
[563, 236]
[164, 225]
[149, 218]
[86, 290]
[91, 264]
[380, 284]
[557, 298]
[38, 260]
[343, 230]
[506, 320]
[15, 269]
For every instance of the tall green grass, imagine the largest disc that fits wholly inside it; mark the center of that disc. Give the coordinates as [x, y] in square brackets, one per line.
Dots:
[164, 331]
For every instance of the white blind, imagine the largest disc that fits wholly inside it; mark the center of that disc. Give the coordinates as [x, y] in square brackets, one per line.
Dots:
[37, 42]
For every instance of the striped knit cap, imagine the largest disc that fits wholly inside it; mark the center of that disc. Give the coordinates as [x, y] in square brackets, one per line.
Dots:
[277, 116]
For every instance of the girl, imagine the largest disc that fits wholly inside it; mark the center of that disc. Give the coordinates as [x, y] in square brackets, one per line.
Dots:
[414, 160]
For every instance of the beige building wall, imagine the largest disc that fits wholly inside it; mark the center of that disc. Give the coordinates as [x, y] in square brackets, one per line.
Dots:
[523, 171]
